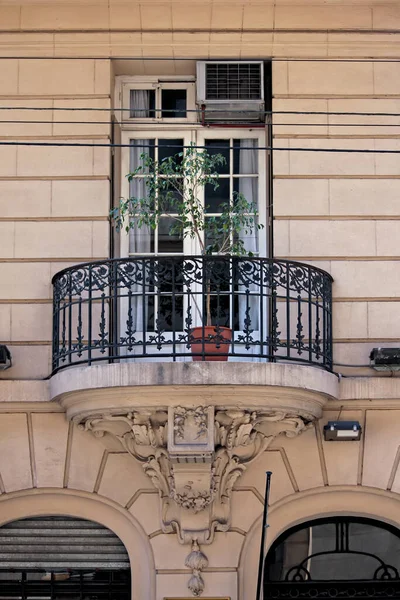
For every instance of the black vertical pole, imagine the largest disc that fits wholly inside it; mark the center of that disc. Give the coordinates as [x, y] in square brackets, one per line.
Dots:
[263, 533]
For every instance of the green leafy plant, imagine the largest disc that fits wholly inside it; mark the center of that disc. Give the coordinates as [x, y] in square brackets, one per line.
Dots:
[175, 188]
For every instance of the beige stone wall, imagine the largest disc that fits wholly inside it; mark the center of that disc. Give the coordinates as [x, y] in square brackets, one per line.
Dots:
[54, 201]
[340, 211]
[54, 458]
[335, 210]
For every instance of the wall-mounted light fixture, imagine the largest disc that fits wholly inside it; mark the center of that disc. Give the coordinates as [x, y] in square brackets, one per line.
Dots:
[342, 431]
[5, 358]
[385, 359]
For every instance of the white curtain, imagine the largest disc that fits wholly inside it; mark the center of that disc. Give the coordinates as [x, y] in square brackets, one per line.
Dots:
[139, 239]
[139, 104]
[248, 186]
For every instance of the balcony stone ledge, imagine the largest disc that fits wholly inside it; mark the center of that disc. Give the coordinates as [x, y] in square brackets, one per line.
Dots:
[112, 388]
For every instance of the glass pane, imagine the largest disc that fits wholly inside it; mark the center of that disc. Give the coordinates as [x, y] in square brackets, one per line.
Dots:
[169, 240]
[213, 198]
[169, 147]
[219, 147]
[245, 156]
[173, 104]
[248, 186]
[142, 104]
[171, 195]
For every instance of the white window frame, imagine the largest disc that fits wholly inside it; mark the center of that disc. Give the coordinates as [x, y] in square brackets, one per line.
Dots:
[124, 85]
[198, 137]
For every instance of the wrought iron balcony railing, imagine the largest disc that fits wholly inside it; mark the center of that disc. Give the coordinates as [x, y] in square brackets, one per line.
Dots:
[146, 308]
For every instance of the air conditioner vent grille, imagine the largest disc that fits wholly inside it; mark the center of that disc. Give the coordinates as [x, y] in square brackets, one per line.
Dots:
[233, 81]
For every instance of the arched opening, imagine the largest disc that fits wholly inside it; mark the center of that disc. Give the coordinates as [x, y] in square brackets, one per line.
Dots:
[341, 557]
[60, 557]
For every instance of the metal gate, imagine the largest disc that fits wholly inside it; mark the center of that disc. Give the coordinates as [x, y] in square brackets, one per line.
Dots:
[339, 566]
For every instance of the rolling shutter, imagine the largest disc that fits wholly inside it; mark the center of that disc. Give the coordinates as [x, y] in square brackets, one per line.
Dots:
[60, 543]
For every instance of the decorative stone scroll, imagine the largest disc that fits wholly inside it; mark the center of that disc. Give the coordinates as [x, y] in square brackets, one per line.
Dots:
[194, 456]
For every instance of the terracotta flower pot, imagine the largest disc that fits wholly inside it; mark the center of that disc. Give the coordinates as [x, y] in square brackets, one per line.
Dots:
[212, 340]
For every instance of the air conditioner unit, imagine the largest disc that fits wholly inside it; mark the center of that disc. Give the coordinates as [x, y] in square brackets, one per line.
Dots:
[231, 92]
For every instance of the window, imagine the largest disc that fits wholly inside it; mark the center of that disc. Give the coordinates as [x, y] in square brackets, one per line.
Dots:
[149, 99]
[161, 122]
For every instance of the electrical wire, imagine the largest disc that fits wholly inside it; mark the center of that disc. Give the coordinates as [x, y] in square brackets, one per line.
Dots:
[197, 147]
[180, 123]
[199, 111]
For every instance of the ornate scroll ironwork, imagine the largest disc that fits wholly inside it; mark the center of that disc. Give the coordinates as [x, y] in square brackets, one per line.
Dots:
[147, 307]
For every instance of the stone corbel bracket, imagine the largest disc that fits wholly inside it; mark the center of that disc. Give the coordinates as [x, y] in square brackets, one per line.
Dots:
[194, 456]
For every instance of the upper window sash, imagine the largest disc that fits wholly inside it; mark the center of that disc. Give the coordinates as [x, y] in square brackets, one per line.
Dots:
[123, 95]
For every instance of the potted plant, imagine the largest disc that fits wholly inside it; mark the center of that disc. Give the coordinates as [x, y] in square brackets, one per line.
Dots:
[175, 188]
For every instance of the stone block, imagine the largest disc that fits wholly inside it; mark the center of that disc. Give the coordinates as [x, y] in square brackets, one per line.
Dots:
[29, 362]
[58, 161]
[8, 77]
[301, 197]
[88, 121]
[219, 16]
[80, 198]
[190, 16]
[122, 477]
[332, 238]
[56, 77]
[122, 17]
[281, 239]
[86, 455]
[6, 239]
[350, 320]
[31, 322]
[24, 280]
[8, 161]
[50, 433]
[258, 16]
[387, 78]
[301, 124]
[158, 16]
[386, 16]
[10, 16]
[24, 198]
[17, 127]
[331, 78]
[320, 163]
[387, 164]
[280, 77]
[16, 473]
[380, 447]
[387, 238]
[363, 196]
[366, 279]
[146, 509]
[63, 239]
[67, 16]
[323, 17]
[308, 474]
[5, 322]
[383, 319]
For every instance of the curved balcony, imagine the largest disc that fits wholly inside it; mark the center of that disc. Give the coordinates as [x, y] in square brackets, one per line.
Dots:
[145, 309]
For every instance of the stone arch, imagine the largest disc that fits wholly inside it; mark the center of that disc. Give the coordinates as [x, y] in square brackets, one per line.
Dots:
[42, 502]
[304, 506]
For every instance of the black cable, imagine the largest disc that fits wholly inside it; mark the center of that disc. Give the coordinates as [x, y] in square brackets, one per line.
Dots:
[266, 148]
[179, 123]
[199, 111]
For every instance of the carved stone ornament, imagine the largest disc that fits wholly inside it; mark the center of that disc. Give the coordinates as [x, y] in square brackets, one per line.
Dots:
[194, 456]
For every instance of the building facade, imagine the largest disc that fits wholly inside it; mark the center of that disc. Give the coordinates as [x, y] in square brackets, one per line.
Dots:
[109, 428]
